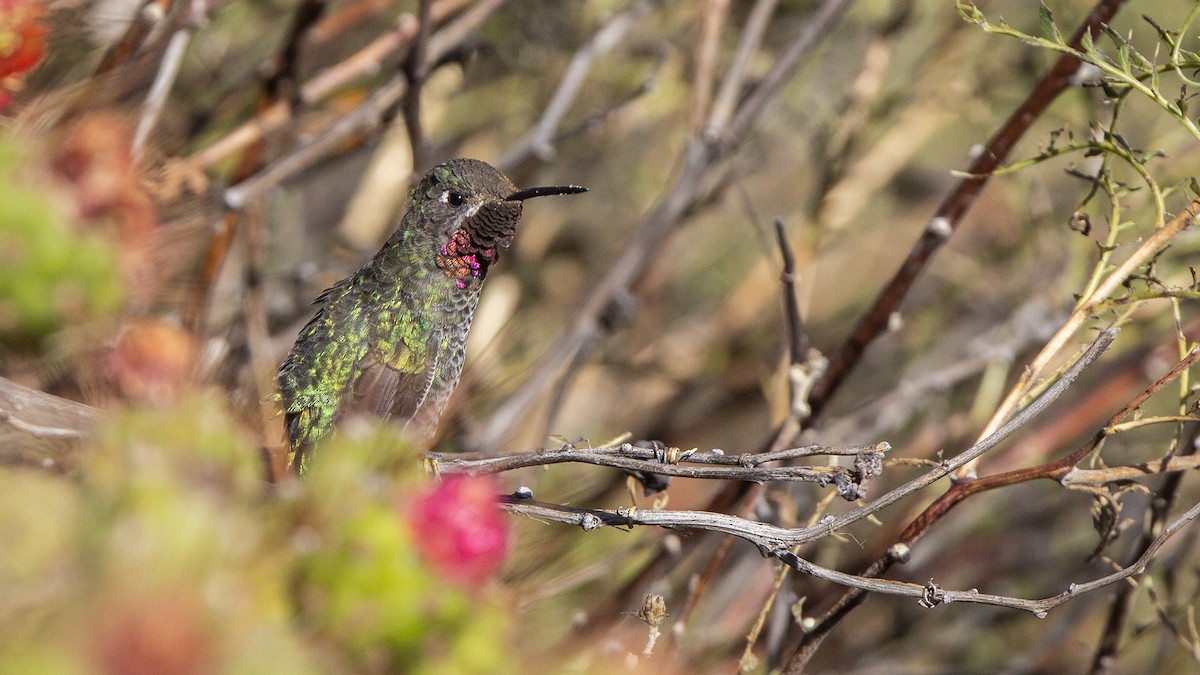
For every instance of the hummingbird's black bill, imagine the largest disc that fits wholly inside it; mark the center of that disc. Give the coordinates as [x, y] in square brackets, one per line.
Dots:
[528, 193]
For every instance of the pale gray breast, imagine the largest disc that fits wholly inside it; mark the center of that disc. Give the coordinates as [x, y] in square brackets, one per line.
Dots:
[451, 354]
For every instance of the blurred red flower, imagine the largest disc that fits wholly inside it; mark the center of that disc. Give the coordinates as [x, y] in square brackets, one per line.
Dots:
[22, 41]
[459, 530]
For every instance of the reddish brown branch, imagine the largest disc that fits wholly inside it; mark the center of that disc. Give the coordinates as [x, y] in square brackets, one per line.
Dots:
[949, 215]
[283, 70]
[305, 17]
[325, 83]
[956, 494]
[147, 20]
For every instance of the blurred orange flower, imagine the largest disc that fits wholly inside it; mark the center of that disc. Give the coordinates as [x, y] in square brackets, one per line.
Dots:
[22, 42]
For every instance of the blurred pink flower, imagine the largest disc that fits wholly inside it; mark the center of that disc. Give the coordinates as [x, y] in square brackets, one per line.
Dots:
[459, 530]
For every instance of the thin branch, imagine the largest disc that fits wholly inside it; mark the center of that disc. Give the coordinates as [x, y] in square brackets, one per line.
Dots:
[774, 537]
[363, 62]
[1066, 464]
[144, 24]
[770, 542]
[1119, 474]
[715, 12]
[700, 157]
[958, 492]
[735, 76]
[1110, 640]
[539, 141]
[931, 595]
[446, 39]
[717, 464]
[816, 29]
[164, 80]
[344, 17]
[797, 337]
[804, 367]
[751, 495]
[715, 456]
[367, 116]
[962, 357]
[597, 118]
[250, 161]
[38, 430]
[949, 214]
[305, 18]
[946, 467]
[1083, 311]
[416, 70]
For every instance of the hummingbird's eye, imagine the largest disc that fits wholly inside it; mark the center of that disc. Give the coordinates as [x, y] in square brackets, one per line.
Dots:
[455, 199]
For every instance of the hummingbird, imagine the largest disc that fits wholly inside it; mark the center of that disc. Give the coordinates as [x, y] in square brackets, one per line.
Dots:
[390, 340]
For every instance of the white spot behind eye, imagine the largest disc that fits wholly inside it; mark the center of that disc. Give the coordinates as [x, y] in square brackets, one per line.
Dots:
[453, 198]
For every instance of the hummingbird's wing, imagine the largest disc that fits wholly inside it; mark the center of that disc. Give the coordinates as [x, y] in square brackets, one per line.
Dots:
[395, 385]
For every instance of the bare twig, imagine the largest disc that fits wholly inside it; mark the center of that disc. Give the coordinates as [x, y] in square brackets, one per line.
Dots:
[770, 541]
[539, 141]
[716, 465]
[460, 29]
[931, 595]
[305, 18]
[772, 536]
[943, 469]
[715, 12]
[715, 456]
[1083, 310]
[279, 88]
[144, 24]
[343, 17]
[959, 491]
[250, 161]
[365, 61]
[416, 70]
[700, 157]
[597, 118]
[804, 367]
[1168, 493]
[165, 79]
[735, 76]
[797, 338]
[1117, 474]
[367, 116]
[40, 429]
[1093, 352]
[949, 214]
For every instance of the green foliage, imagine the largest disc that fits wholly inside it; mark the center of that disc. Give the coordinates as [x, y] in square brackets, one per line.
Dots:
[1124, 68]
[53, 273]
[1119, 70]
[362, 584]
[170, 554]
